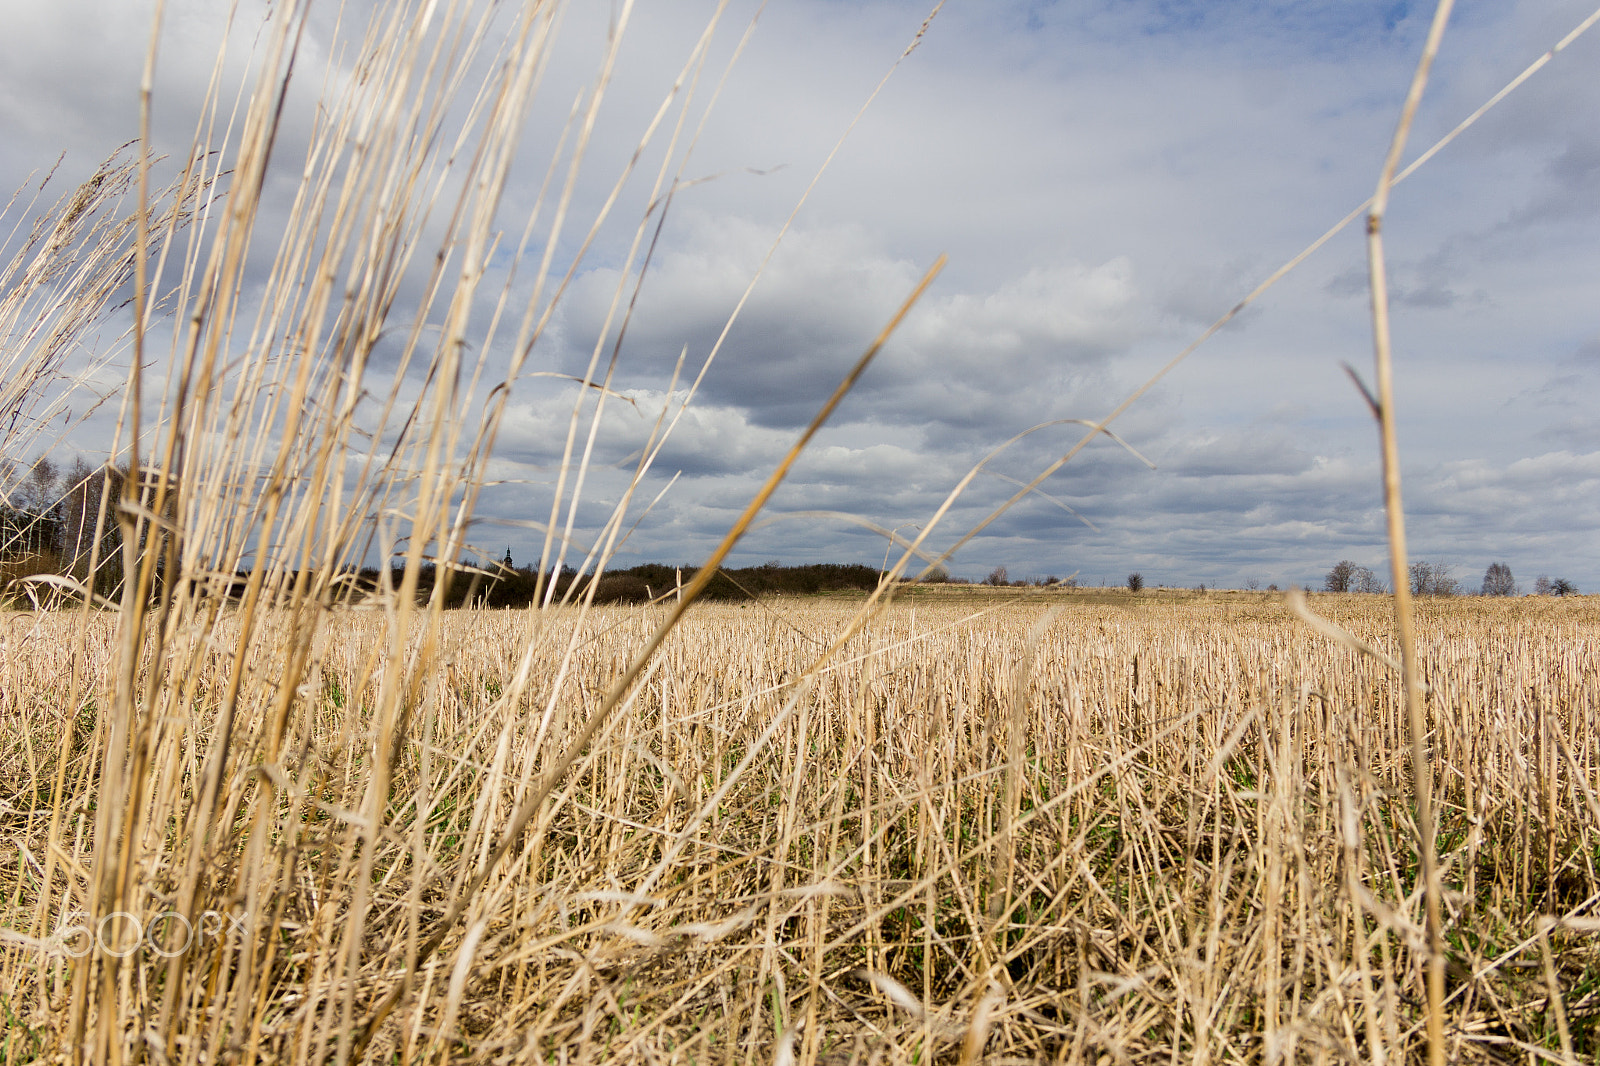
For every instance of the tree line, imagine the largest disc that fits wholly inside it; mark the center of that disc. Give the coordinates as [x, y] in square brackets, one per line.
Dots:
[1435, 578]
[52, 521]
[504, 585]
[62, 522]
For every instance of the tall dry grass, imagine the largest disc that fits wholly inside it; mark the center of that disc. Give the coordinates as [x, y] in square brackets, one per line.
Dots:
[1119, 832]
[63, 262]
[331, 831]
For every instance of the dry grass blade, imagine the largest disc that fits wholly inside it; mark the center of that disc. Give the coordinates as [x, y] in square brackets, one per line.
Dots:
[1394, 510]
[1297, 603]
[978, 1029]
[1553, 987]
[783, 1054]
[894, 991]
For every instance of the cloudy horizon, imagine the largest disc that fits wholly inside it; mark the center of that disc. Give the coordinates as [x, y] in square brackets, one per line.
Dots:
[1107, 181]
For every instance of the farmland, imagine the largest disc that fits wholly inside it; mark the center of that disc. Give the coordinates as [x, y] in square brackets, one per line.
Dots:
[1085, 827]
[297, 767]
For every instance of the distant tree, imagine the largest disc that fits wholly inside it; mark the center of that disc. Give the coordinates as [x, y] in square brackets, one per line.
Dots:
[937, 576]
[1433, 579]
[1338, 579]
[1272, 588]
[47, 524]
[1364, 580]
[1135, 581]
[1252, 583]
[85, 490]
[997, 577]
[77, 518]
[1543, 586]
[42, 490]
[30, 512]
[1497, 581]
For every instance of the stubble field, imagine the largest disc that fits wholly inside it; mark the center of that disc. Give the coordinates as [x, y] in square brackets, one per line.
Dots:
[1027, 827]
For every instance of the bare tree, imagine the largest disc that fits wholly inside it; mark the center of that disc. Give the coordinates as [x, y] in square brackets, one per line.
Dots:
[1347, 576]
[1497, 581]
[29, 511]
[1339, 578]
[1135, 581]
[1433, 579]
[42, 490]
[86, 491]
[997, 576]
[1559, 587]
[80, 504]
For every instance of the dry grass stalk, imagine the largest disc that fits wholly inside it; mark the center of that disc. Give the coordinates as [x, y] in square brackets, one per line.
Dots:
[1394, 510]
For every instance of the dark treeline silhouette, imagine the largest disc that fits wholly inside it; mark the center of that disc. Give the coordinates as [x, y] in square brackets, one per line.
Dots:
[504, 586]
[49, 517]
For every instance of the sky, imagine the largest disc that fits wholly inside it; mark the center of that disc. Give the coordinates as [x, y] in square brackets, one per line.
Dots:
[1107, 179]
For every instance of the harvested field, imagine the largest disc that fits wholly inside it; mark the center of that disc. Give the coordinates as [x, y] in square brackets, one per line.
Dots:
[1032, 827]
